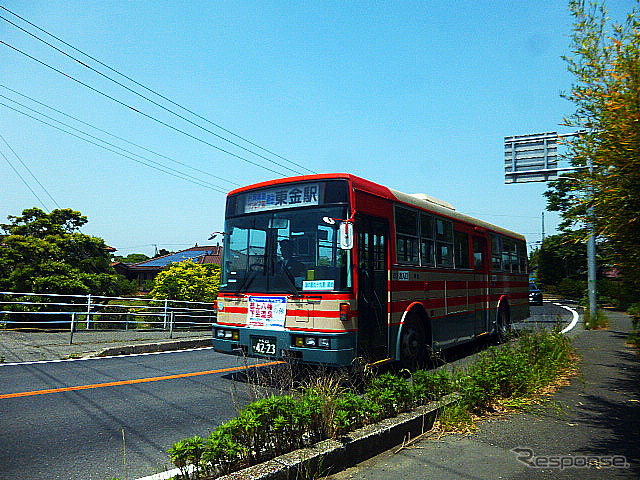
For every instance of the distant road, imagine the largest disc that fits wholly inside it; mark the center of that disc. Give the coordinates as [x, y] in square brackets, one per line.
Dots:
[64, 420]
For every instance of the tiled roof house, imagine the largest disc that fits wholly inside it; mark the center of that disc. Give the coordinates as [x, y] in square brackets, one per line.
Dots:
[147, 270]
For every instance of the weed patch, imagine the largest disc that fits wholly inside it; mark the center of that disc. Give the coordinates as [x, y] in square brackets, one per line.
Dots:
[514, 376]
[599, 322]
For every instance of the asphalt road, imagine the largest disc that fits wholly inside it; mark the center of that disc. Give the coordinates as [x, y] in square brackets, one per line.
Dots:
[72, 433]
[77, 434]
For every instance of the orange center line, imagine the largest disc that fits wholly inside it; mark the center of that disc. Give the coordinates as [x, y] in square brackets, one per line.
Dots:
[137, 380]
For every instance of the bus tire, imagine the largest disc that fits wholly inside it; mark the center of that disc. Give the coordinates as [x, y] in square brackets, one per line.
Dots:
[503, 324]
[412, 343]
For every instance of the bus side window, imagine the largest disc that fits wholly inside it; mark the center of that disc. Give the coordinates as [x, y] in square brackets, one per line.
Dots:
[478, 256]
[407, 236]
[496, 252]
[461, 249]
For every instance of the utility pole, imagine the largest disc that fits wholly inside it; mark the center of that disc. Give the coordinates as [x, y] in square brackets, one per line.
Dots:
[591, 250]
[542, 227]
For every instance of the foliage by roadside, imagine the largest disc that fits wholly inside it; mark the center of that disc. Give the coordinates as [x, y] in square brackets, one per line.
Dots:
[599, 322]
[46, 253]
[188, 281]
[511, 376]
[507, 376]
[605, 62]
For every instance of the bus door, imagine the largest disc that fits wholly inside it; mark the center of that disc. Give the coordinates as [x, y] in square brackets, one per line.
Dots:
[481, 284]
[373, 246]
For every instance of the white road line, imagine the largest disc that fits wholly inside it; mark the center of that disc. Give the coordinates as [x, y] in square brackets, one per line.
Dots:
[40, 362]
[168, 474]
[575, 317]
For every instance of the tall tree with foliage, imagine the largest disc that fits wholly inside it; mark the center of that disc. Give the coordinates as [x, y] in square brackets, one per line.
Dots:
[560, 257]
[46, 253]
[605, 62]
[188, 281]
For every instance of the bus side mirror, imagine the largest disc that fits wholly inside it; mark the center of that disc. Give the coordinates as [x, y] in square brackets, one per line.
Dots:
[346, 235]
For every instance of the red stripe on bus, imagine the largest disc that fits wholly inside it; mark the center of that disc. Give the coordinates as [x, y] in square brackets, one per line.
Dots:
[320, 330]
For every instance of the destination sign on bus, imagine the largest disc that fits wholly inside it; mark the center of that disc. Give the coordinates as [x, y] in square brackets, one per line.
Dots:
[267, 312]
[286, 196]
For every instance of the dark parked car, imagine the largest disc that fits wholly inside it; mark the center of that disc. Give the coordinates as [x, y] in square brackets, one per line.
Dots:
[535, 295]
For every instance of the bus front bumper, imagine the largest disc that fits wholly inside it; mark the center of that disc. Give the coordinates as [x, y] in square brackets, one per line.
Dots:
[324, 348]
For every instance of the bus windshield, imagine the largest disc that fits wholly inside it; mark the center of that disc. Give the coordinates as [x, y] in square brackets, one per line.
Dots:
[285, 251]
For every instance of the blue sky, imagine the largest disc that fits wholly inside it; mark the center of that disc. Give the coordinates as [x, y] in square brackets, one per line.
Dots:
[417, 96]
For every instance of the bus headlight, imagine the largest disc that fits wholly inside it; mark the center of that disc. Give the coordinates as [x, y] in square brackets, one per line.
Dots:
[324, 342]
[227, 334]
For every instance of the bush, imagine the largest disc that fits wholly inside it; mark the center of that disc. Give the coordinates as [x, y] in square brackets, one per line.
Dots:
[352, 411]
[392, 394]
[509, 375]
[428, 386]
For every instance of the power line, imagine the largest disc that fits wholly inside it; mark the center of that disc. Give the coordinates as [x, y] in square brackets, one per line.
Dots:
[113, 135]
[30, 172]
[111, 144]
[25, 182]
[179, 175]
[139, 112]
[155, 93]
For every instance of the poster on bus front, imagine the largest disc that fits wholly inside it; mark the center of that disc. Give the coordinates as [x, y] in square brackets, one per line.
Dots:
[267, 312]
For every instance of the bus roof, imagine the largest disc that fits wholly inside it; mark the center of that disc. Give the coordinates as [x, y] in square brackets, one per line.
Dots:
[419, 200]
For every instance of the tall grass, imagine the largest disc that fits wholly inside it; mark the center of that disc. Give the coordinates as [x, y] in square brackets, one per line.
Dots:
[508, 376]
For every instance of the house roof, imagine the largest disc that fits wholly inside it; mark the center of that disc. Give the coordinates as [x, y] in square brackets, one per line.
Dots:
[199, 254]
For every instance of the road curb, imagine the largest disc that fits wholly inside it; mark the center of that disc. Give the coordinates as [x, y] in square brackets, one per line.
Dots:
[153, 347]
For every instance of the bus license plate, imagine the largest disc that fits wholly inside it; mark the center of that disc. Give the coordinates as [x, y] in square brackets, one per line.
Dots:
[263, 345]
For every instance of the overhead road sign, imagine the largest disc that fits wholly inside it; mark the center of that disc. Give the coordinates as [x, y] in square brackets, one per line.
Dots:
[531, 158]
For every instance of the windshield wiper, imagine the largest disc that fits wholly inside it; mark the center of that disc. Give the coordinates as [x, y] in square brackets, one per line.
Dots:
[291, 281]
[248, 280]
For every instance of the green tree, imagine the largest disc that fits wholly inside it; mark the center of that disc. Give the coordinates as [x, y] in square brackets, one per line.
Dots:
[131, 258]
[605, 63]
[562, 256]
[46, 253]
[188, 281]
[163, 252]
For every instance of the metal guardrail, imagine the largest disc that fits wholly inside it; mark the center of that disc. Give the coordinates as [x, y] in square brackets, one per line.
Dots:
[90, 311]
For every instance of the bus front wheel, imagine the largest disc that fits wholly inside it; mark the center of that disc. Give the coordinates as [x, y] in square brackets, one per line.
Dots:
[412, 343]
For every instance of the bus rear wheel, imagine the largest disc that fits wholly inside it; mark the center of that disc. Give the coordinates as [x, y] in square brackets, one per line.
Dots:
[412, 343]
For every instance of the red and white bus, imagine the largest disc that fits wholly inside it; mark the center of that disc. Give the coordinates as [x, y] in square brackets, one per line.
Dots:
[328, 268]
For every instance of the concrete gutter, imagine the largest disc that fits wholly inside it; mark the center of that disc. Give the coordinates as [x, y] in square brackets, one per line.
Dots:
[331, 456]
[153, 347]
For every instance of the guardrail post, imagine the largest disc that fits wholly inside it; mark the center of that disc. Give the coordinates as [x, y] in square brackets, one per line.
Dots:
[171, 322]
[73, 327]
[88, 311]
[126, 322]
[166, 302]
